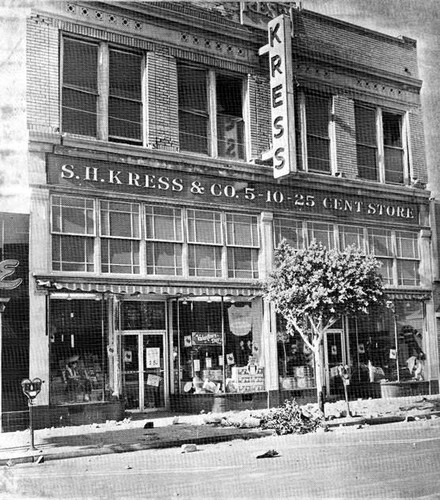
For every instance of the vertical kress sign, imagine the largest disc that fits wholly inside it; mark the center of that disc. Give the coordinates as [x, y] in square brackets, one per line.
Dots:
[281, 95]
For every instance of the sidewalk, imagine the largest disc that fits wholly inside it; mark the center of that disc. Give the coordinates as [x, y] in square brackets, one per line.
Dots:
[161, 430]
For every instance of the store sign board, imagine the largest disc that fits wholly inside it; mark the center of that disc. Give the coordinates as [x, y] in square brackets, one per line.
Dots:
[206, 338]
[95, 175]
[281, 96]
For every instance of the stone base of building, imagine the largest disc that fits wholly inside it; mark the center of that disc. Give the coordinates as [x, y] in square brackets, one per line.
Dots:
[404, 388]
[219, 403]
[64, 415]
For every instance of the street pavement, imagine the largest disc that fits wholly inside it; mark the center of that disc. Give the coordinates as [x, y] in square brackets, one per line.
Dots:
[377, 462]
[165, 430]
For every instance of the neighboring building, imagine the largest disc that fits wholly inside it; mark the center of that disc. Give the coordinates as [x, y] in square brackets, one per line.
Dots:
[14, 317]
[155, 213]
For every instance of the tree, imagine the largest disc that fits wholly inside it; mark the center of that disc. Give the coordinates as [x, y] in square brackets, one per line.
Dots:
[314, 287]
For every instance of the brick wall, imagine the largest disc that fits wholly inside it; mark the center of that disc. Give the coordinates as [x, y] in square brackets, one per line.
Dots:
[351, 43]
[42, 76]
[259, 114]
[345, 136]
[417, 138]
[162, 102]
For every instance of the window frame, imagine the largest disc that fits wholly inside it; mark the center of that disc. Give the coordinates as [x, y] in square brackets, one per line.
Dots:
[103, 94]
[382, 172]
[212, 113]
[302, 133]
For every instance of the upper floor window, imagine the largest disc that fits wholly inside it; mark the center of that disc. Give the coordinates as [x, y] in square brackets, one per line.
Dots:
[101, 91]
[380, 145]
[211, 113]
[317, 125]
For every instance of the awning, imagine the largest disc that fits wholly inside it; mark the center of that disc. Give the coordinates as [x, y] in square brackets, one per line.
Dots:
[174, 290]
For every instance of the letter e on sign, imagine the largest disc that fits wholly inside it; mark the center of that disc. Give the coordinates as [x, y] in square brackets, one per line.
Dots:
[281, 91]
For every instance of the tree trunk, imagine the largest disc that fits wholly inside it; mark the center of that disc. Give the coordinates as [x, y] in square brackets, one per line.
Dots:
[319, 375]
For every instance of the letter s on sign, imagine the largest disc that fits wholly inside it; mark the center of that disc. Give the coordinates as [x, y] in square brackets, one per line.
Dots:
[67, 171]
[279, 156]
[7, 268]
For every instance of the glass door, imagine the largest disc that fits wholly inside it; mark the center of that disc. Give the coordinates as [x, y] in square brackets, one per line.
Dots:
[131, 370]
[143, 354]
[153, 371]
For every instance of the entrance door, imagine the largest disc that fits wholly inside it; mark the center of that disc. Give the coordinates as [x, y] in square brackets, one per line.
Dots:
[143, 370]
[335, 355]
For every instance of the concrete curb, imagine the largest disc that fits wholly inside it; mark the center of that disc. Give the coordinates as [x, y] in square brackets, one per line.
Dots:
[33, 457]
[41, 455]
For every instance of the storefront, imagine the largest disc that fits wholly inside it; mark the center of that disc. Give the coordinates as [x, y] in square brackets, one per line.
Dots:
[157, 298]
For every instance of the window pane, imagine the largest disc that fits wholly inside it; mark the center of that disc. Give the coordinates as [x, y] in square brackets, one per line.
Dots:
[124, 120]
[143, 315]
[192, 88]
[317, 115]
[164, 223]
[120, 219]
[365, 121]
[242, 263]
[289, 230]
[229, 95]
[79, 112]
[79, 93]
[367, 162]
[407, 244]
[205, 261]
[80, 65]
[193, 132]
[242, 230]
[408, 273]
[350, 235]
[204, 227]
[386, 270]
[322, 233]
[164, 258]
[392, 132]
[318, 154]
[120, 256]
[230, 133]
[393, 165]
[125, 75]
[72, 253]
[73, 215]
[380, 242]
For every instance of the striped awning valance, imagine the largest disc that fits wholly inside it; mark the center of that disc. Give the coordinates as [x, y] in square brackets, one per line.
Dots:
[174, 290]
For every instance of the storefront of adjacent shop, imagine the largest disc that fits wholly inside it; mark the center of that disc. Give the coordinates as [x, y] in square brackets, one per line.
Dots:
[154, 287]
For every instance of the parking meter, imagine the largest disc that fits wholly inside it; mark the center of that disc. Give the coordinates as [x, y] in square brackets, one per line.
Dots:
[344, 372]
[31, 389]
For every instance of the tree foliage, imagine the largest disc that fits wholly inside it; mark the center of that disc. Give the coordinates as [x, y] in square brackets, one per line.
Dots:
[314, 287]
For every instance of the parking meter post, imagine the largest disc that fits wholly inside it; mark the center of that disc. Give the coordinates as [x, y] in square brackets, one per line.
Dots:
[31, 424]
[31, 389]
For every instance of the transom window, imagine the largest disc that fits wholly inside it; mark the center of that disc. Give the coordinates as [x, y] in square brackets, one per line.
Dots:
[73, 231]
[164, 240]
[101, 91]
[120, 235]
[139, 239]
[210, 113]
[397, 251]
[379, 145]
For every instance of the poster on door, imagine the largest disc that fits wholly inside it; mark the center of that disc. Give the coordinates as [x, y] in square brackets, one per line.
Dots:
[152, 357]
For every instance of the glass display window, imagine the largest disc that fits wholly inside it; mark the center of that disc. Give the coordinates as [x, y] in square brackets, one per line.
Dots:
[77, 353]
[217, 346]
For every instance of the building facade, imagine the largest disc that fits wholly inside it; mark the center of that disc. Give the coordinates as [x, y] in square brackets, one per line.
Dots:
[155, 212]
